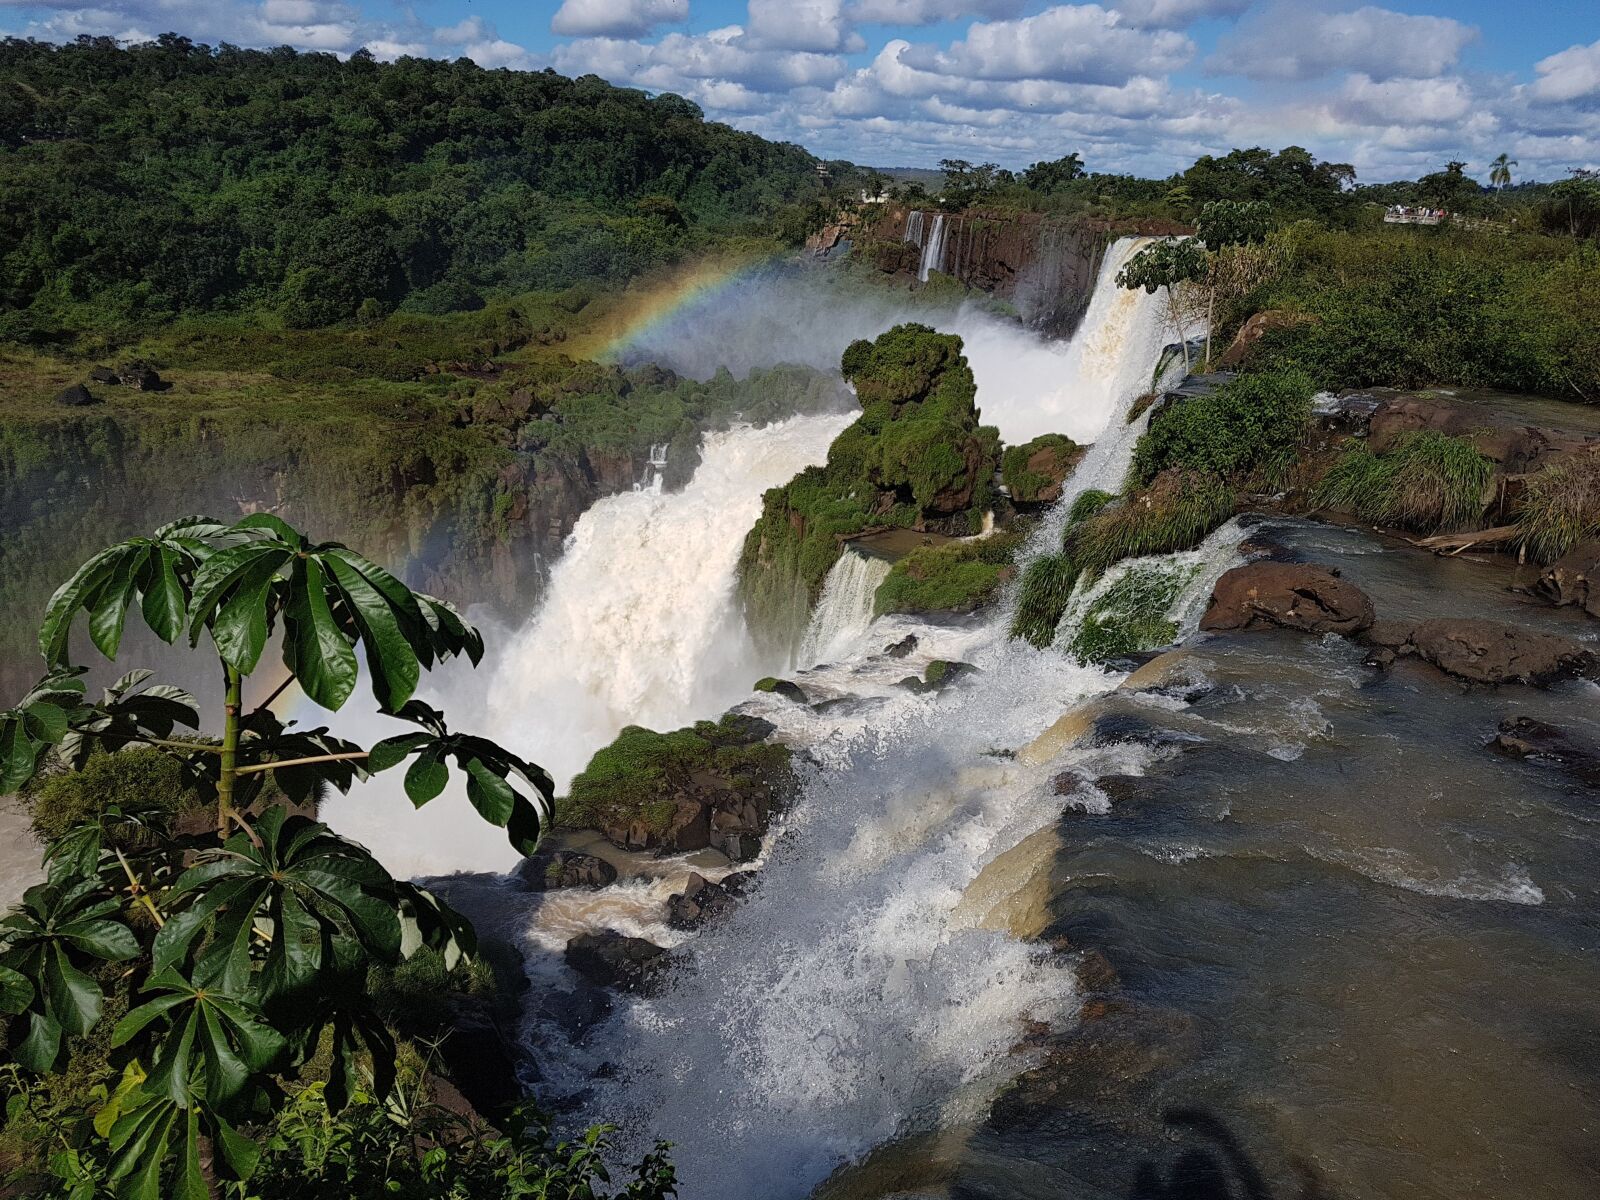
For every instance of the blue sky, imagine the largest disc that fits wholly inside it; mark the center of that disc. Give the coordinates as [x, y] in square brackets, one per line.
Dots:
[1395, 88]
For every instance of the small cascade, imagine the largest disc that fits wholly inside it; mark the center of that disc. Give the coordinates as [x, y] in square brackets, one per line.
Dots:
[844, 610]
[932, 249]
[914, 227]
[651, 480]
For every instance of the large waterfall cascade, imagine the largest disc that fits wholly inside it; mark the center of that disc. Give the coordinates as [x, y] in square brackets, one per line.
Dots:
[868, 988]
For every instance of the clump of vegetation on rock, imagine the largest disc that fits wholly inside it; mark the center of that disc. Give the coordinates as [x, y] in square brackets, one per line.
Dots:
[1176, 512]
[1560, 507]
[641, 775]
[957, 577]
[1033, 472]
[1427, 481]
[1046, 588]
[1248, 427]
[916, 458]
[1130, 615]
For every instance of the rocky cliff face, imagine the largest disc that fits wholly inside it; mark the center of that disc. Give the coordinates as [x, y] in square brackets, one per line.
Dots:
[1044, 265]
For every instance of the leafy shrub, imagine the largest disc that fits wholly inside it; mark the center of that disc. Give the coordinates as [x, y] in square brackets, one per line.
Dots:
[1560, 507]
[1250, 425]
[1426, 481]
[957, 577]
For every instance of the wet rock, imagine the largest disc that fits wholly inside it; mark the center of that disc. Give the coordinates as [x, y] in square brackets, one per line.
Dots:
[941, 673]
[1486, 652]
[1095, 972]
[76, 396]
[613, 960]
[574, 1011]
[786, 688]
[1539, 741]
[104, 375]
[901, 648]
[564, 869]
[1573, 579]
[702, 901]
[1299, 596]
[1253, 330]
[738, 845]
[1499, 435]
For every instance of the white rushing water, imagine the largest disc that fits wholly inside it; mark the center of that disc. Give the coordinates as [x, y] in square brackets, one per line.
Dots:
[639, 626]
[874, 985]
[844, 610]
[932, 250]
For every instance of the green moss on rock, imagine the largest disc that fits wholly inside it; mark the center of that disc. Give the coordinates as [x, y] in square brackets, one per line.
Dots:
[1034, 472]
[642, 775]
[957, 577]
[134, 779]
[915, 458]
[1130, 616]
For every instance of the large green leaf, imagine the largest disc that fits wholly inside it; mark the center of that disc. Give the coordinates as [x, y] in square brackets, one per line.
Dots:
[391, 659]
[314, 648]
[16, 993]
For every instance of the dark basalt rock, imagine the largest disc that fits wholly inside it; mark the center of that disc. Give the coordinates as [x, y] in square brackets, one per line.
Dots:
[702, 901]
[1574, 579]
[1540, 742]
[612, 960]
[786, 688]
[901, 648]
[76, 396]
[1484, 652]
[1301, 596]
[564, 869]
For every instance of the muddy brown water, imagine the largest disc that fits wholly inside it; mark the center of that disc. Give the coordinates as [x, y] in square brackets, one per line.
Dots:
[1352, 950]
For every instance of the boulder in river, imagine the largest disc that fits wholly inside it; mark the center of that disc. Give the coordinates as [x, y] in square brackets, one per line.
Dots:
[1573, 578]
[901, 648]
[1301, 596]
[786, 688]
[613, 960]
[1539, 741]
[1486, 652]
[702, 901]
[564, 869]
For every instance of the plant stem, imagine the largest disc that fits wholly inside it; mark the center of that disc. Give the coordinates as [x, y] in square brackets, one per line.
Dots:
[230, 750]
[138, 891]
[300, 762]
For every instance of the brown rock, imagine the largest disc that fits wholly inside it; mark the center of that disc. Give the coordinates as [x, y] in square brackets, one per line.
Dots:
[1490, 652]
[1514, 446]
[1252, 331]
[1527, 738]
[702, 901]
[564, 869]
[1287, 596]
[1573, 579]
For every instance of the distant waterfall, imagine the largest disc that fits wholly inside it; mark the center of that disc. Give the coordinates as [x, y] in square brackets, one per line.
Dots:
[932, 250]
[914, 227]
[844, 610]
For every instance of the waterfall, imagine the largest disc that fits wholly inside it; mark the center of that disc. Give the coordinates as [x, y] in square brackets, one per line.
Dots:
[932, 249]
[869, 989]
[914, 227]
[843, 611]
[639, 626]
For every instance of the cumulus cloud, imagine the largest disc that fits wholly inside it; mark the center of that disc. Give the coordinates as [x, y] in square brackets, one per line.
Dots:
[1288, 43]
[928, 12]
[819, 26]
[689, 64]
[1072, 43]
[1573, 74]
[1366, 101]
[617, 18]
[1175, 14]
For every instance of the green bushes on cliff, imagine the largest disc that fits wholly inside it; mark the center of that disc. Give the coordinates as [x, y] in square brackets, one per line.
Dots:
[915, 458]
[957, 577]
[634, 778]
[1426, 481]
[1248, 426]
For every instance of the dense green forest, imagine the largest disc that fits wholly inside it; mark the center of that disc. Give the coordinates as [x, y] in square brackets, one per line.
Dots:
[171, 178]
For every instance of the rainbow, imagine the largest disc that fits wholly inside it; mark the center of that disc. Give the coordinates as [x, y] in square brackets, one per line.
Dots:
[649, 306]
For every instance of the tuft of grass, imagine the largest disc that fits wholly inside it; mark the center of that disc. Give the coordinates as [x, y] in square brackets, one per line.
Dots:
[1560, 507]
[1175, 512]
[1042, 598]
[1087, 504]
[1426, 482]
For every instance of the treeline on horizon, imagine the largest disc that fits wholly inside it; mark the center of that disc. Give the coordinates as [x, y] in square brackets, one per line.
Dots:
[143, 183]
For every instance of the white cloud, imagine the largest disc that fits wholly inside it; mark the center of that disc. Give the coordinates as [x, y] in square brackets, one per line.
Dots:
[617, 18]
[1074, 43]
[683, 62]
[1571, 75]
[819, 26]
[1175, 14]
[927, 12]
[1367, 101]
[1288, 43]
[388, 50]
[469, 29]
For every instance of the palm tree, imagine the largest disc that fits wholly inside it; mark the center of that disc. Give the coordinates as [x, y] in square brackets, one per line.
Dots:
[1500, 170]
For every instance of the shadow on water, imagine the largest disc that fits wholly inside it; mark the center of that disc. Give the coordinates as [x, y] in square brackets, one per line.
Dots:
[1215, 1167]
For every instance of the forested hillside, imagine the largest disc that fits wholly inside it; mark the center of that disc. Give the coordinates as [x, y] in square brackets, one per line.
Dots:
[172, 178]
